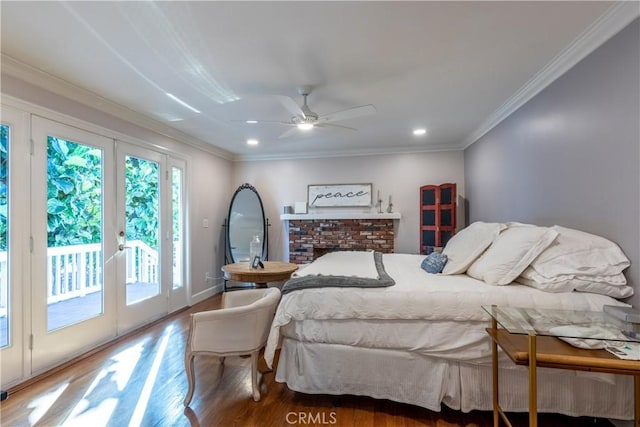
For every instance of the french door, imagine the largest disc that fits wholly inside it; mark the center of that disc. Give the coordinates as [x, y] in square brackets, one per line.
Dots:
[14, 235]
[143, 235]
[74, 247]
[107, 226]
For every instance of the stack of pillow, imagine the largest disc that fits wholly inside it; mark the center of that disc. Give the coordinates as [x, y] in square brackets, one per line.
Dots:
[552, 259]
[579, 261]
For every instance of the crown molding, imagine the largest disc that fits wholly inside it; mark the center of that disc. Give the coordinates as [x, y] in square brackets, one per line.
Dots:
[342, 153]
[606, 26]
[46, 81]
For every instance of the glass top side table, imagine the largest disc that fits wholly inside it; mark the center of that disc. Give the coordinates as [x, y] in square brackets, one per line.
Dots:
[530, 337]
[592, 325]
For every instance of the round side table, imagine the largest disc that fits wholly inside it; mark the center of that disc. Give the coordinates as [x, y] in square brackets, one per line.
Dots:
[273, 271]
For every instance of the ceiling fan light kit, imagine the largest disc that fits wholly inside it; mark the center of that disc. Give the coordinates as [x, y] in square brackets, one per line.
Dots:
[305, 119]
[305, 126]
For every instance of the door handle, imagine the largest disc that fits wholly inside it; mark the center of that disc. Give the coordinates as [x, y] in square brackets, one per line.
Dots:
[121, 241]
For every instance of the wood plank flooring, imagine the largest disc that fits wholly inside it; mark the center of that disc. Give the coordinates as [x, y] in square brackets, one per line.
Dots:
[140, 380]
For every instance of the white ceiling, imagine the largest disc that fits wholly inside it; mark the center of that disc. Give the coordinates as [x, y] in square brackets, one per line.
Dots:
[452, 67]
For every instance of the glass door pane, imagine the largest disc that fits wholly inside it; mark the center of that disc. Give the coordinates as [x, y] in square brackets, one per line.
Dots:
[177, 205]
[142, 222]
[177, 227]
[5, 318]
[74, 233]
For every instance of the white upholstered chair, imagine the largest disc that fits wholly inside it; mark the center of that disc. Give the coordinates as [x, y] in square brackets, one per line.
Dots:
[240, 327]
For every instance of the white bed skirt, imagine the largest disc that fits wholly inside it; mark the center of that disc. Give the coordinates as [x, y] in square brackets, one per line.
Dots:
[318, 368]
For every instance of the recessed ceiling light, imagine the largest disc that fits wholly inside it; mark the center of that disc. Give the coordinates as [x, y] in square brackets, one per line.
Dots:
[305, 126]
[252, 141]
[419, 131]
[252, 122]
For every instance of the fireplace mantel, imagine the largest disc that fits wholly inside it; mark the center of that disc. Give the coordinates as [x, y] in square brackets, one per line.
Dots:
[339, 215]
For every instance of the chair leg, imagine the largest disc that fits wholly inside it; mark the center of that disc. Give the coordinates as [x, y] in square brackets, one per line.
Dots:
[255, 385]
[188, 364]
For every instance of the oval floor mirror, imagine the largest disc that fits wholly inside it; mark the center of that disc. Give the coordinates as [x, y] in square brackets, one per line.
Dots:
[245, 220]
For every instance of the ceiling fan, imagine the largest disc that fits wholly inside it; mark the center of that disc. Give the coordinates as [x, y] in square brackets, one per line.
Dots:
[304, 119]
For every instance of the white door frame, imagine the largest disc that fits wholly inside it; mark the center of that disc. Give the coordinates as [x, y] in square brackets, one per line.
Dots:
[178, 296]
[13, 366]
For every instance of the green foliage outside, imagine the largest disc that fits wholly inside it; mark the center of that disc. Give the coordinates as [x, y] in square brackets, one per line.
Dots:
[142, 200]
[74, 194]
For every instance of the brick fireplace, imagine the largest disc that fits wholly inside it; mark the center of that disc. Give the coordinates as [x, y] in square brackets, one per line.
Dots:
[311, 238]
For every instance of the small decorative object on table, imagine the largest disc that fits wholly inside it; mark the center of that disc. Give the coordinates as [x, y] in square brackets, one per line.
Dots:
[256, 262]
[255, 251]
[390, 207]
[628, 319]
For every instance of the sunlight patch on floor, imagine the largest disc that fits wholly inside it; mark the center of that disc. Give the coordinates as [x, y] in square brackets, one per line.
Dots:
[42, 404]
[95, 416]
[126, 362]
[119, 371]
[141, 406]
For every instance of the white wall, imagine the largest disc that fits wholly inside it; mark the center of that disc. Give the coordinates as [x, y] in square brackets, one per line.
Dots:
[283, 182]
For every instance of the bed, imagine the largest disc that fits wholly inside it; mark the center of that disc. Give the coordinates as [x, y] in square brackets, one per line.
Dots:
[422, 340]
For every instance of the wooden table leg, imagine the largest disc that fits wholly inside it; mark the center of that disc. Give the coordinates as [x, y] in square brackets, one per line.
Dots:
[494, 370]
[636, 395]
[533, 385]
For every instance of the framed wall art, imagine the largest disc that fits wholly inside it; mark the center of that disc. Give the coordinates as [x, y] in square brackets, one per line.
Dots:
[339, 195]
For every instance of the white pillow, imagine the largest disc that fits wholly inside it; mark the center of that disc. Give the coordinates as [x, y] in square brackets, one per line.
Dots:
[579, 253]
[581, 284]
[511, 253]
[468, 244]
[532, 275]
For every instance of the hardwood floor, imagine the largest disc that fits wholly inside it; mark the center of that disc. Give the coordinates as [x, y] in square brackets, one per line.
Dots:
[140, 380]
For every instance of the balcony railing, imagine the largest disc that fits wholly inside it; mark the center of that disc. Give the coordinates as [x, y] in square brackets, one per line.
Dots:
[76, 270]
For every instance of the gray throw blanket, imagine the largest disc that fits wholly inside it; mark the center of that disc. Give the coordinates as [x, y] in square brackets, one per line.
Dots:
[314, 281]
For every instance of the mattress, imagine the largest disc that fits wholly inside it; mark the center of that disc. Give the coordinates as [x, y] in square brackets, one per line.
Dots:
[464, 340]
[396, 317]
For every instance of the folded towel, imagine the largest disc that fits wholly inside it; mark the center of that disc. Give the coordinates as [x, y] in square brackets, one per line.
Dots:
[587, 337]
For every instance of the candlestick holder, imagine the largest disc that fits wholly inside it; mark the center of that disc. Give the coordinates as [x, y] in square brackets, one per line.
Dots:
[379, 206]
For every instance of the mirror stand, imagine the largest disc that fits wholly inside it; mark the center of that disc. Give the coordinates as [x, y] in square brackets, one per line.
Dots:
[245, 220]
[227, 258]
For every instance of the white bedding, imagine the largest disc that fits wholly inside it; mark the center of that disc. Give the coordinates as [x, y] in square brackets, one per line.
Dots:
[418, 296]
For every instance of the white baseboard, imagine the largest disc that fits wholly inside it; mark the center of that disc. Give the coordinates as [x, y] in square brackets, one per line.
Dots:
[209, 292]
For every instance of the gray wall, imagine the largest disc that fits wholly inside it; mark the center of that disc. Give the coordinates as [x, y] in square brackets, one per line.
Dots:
[571, 155]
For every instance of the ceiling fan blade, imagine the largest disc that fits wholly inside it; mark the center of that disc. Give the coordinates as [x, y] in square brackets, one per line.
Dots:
[327, 125]
[349, 113]
[280, 122]
[288, 133]
[291, 106]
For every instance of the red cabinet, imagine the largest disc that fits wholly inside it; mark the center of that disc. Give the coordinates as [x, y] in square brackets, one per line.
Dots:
[437, 216]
